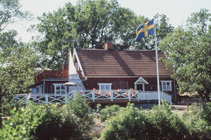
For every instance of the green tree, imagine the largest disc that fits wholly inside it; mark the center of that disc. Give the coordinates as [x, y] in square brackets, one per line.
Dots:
[90, 23]
[163, 27]
[17, 66]
[9, 12]
[188, 50]
[57, 39]
[101, 21]
[17, 60]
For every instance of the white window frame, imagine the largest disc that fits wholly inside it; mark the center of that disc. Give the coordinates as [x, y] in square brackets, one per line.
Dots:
[104, 86]
[164, 85]
[62, 88]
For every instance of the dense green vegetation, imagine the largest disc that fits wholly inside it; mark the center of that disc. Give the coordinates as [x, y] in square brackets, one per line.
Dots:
[76, 121]
[48, 122]
[157, 123]
[17, 60]
[188, 51]
[91, 23]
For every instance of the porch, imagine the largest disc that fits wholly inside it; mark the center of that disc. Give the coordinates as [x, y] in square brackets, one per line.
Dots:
[96, 96]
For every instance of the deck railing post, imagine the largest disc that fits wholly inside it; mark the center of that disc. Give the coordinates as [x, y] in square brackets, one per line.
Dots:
[112, 97]
[138, 95]
[27, 98]
[129, 97]
[66, 99]
[46, 98]
[74, 95]
[93, 95]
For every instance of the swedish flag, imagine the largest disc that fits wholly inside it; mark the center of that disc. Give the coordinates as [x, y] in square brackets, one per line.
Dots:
[145, 30]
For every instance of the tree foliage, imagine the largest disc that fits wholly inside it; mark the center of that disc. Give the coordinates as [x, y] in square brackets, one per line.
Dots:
[159, 123]
[165, 124]
[17, 60]
[129, 124]
[108, 112]
[90, 24]
[198, 121]
[22, 123]
[48, 122]
[9, 11]
[189, 52]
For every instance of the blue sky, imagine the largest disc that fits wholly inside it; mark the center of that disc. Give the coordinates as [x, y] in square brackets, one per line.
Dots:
[176, 10]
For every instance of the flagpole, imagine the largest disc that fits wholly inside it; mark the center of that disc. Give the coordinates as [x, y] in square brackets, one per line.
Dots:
[158, 81]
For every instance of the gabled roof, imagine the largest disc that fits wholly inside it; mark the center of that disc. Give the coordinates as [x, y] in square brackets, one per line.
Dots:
[99, 62]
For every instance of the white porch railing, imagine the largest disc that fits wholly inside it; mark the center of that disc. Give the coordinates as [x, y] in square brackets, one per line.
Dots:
[153, 95]
[94, 95]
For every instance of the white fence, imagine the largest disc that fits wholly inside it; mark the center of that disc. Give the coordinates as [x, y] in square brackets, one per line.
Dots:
[94, 95]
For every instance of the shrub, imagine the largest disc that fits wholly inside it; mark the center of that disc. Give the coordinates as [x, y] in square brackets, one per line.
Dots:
[164, 124]
[108, 112]
[22, 123]
[82, 115]
[128, 124]
[134, 124]
[198, 121]
[71, 121]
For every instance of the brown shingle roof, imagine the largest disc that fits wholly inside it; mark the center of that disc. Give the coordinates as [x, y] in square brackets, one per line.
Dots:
[121, 63]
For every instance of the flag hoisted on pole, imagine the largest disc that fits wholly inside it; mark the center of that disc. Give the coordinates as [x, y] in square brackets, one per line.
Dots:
[144, 31]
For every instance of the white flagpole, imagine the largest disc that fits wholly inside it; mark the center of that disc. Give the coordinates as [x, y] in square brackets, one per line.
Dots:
[158, 81]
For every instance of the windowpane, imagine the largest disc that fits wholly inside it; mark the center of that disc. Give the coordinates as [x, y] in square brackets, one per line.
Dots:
[106, 86]
[166, 86]
[102, 87]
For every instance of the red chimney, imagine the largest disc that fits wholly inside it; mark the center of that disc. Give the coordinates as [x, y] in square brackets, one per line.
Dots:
[109, 46]
[65, 66]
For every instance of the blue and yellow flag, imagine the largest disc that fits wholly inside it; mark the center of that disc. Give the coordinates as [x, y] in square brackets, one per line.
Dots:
[145, 30]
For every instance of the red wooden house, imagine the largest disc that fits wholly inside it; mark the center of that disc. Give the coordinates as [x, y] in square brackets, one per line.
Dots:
[108, 69]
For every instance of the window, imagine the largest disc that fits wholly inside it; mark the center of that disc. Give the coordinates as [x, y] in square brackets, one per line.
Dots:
[104, 86]
[166, 85]
[59, 88]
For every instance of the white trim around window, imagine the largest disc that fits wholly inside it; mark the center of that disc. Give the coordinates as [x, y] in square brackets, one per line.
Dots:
[166, 85]
[104, 86]
[59, 88]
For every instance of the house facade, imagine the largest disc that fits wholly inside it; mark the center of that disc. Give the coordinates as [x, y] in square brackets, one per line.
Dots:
[108, 69]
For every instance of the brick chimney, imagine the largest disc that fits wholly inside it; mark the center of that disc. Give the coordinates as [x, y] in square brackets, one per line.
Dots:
[65, 66]
[109, 46]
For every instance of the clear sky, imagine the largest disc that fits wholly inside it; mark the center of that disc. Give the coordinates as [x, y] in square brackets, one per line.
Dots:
[176, 10]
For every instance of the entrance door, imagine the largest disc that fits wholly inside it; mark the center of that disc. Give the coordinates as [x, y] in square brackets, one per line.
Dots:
[139, 87]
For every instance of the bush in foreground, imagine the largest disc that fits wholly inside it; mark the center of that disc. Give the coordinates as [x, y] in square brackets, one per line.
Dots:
[71, 121]
[108, 112]
[198, 121]
[127, 125]
[22, 123]
[49, 122]
[164, 124]
[133, 124]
